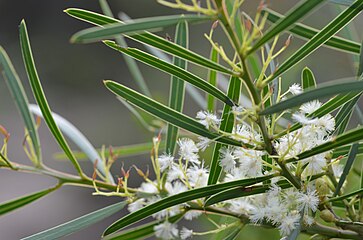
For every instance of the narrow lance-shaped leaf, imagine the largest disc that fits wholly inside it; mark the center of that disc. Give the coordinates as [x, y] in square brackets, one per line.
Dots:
[77, 137]
[17, 90]
[344, 150]
[234, 91]
[292, 17]
[343, 116]
[178, 199]
[173, 70]
[319, 39]
[142, 231]
[307, 79]
[352, 136]
[307, 32]
[111, 30]
[77, 224]
[130, 62]
[177, 86]
[22, 201]
[348, 165]
[40, 97]
[150, 40]
[212, 79]
[167, 114]
[327, 90]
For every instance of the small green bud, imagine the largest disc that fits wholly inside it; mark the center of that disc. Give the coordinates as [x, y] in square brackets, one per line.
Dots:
[327, 216]
[321, 187]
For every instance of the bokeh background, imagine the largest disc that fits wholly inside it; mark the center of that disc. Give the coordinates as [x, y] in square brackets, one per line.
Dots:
[72, 77]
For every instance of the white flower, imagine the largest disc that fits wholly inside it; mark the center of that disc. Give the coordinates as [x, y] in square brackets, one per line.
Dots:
[327, 122]
[257, 214]
[227, 160]
[203, 143]
[295, 89]
[166, 230]
[186, 233]
[165, 161]
[289, 223]
[175, 173]
[138, 204]
[310, 107]
[190, 215]
[197, 176]
[208, 119]
[175, 188]
[188, 150]
[148, 187]
[301, 118]
[241, 206]
[309, 200]
[316, 164]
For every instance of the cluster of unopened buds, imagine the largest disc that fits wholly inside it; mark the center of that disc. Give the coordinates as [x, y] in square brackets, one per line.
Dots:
[282, 208]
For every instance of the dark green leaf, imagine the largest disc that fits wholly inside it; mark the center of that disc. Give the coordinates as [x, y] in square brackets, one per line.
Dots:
[178, 199]
[327, 90]
[177, 87]
[212, 79]
[150, 39]
[307, 32]
[234, 91]
[357, 192]
[307, 79]
[22, 201]
[319, 39]
[111, 30]
[344, 150]
[78, 223]
[173, 70]
[348, 165]
[40, 97]
[292, 17]
[167, 114]
[17, 90]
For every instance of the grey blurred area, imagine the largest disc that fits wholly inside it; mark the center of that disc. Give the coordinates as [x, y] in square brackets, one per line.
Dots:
[72, 76]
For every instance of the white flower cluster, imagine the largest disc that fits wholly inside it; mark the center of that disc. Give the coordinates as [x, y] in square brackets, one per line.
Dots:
[285, 209]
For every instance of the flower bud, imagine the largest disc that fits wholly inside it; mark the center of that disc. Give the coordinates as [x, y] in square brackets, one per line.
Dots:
[321, 187]
[327, 216]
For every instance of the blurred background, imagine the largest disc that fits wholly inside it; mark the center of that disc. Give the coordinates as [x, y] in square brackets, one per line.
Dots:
[72, 76]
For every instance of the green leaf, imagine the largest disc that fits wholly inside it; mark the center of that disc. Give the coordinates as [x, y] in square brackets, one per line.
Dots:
[177, 86]
[292, 17]
[173, 70]
[111, 30]
[342, 2]
[130, 62]
[123, 151]
[326, 90]
[238, 192]
[17, 90]
[150, 39]
[352, 136]
[319, 39]
[167, 114]
[307, 32]
[227, 124]
[348, 165]
[40, 97]
[307, 79]
[77, 224]
[234, 234]
[78, 138]
[178, 199]
[142, 231]
[357, 192]
[12, 205]
[212, 79]
[344, 150]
